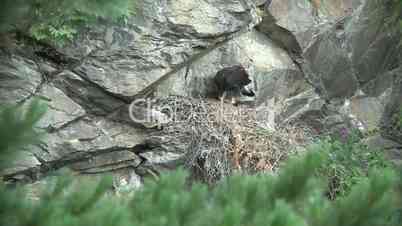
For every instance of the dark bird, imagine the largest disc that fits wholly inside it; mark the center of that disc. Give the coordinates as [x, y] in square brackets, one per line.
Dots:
[232, 81]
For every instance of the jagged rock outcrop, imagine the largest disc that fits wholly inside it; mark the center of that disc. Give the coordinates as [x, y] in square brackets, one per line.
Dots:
[326, 64]
[90, 83]
[20, 78]
[345, 53]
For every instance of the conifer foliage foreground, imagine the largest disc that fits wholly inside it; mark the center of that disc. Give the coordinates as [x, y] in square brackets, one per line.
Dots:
[292, 198]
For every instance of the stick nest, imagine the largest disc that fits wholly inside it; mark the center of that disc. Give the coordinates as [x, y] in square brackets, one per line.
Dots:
[219, 138]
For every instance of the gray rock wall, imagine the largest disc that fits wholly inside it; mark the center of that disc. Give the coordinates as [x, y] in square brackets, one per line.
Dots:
[328, 64]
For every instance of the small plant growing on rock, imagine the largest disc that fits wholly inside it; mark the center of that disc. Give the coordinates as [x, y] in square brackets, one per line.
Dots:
[58, 21]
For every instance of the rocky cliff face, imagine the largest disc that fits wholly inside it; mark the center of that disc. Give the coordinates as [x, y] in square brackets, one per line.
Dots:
[326, 64]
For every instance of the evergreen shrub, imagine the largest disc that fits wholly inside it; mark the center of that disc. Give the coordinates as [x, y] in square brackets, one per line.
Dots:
[347, 161]
[58, 21]
[294, 197]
